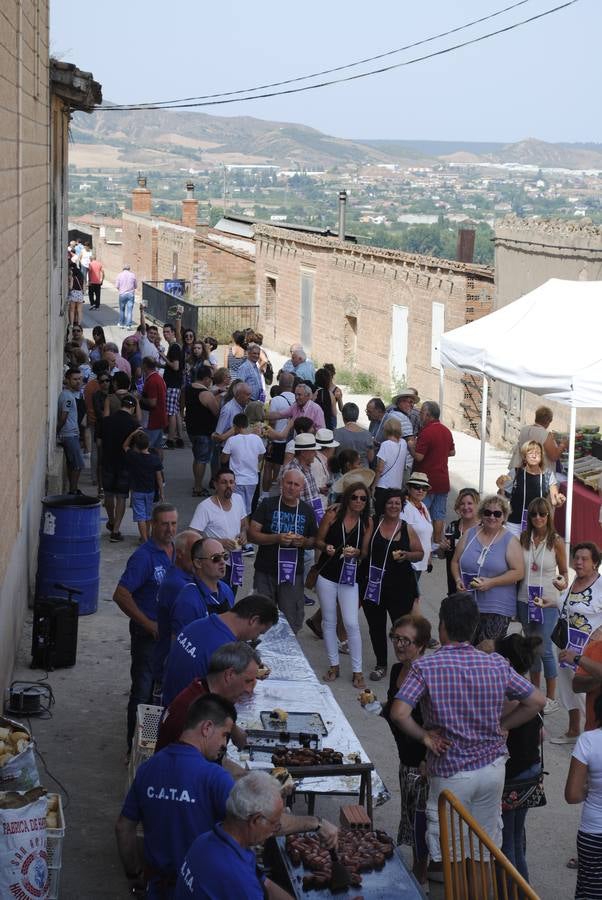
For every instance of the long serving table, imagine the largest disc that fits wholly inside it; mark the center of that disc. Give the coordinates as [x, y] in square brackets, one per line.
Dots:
[293, 685]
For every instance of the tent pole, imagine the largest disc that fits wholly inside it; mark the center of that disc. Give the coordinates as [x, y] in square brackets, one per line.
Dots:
[483, 433]
[441, 388]
[569, 486]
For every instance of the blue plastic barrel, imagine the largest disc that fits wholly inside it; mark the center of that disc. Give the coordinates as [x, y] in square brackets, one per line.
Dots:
[69, 550]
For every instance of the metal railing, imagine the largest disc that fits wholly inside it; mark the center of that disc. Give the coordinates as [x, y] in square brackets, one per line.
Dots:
[215, 320]
[466, 871]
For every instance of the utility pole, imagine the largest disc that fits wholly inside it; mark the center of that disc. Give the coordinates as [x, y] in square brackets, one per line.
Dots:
[224, 203]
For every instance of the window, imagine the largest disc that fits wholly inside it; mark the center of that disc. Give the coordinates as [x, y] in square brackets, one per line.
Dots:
[437, 329]
[174, 265]
[270, 298]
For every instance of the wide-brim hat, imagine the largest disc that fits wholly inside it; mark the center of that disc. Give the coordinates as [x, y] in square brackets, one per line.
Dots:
[407, 393]
[366, 476]
[419, 479]
[325, 438]
[305, 441]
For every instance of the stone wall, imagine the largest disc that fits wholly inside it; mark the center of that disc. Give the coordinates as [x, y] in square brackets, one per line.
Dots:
[527, 253]
[358, 306]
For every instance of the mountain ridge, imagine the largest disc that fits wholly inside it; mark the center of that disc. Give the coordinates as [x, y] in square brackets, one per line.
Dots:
[190, 139]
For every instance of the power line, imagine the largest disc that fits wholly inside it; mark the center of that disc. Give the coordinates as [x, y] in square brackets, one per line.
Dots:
[313, 87]
[359, 62]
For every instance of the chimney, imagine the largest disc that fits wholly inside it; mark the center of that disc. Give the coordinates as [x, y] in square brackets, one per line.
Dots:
[465, 247]
[342, 214]
[190, 207]
[141, 198]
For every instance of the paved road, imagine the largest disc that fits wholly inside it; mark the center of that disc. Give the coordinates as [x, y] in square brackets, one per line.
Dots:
[84, 742]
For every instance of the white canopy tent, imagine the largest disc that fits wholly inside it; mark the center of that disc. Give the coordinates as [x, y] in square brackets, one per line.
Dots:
[548, 342]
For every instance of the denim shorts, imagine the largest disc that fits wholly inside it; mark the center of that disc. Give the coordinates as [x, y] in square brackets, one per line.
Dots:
[202, 447]
[436, 505]
[155, 438]
[142, 506]
[73, 452]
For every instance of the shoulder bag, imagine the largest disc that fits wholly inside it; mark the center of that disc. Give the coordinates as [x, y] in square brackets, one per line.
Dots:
[527, 793]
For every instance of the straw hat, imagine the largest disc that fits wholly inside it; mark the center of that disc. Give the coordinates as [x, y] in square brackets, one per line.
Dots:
[305, 441]
[419, 479]
[366, 476]
[325, 438]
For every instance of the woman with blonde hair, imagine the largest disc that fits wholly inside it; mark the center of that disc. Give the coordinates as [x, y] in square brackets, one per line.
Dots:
[531, 480]
[489, 561]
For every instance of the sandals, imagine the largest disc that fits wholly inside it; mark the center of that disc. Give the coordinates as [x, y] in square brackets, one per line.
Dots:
[357, 680]
[343, 647]
[331, 674]
[378, 673]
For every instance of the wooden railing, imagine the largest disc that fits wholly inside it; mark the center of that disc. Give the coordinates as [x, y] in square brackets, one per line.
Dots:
[473, 867]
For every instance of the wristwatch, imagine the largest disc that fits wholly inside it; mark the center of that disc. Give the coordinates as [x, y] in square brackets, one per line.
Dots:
[577, 659]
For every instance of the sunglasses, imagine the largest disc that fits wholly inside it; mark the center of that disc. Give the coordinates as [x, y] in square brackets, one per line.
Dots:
[497, 513]
[418, 487]
[216, 557]
[538, 515]
[361, 497]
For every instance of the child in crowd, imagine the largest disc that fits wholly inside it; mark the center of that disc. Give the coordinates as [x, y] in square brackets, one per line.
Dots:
[146, 479]
[241, 454]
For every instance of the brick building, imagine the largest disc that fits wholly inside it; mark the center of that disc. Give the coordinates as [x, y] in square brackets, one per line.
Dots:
[368, 309]
[37, 97]
[527, 253]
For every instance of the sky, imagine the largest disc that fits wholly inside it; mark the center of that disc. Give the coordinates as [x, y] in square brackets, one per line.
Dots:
[536, 81]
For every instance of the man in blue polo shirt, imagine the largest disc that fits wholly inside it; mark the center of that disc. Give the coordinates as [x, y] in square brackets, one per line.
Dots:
[180, 793]
[220, 864]
[136, 596]
[206, 592]
[191, 651]
[177, 794]
[177, 577]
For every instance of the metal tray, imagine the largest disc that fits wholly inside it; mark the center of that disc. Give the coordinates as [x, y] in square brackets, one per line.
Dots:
[269, 737]
[297, 721]
[392, 881]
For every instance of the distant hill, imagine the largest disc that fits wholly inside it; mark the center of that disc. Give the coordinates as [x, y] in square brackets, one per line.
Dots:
[165, 139]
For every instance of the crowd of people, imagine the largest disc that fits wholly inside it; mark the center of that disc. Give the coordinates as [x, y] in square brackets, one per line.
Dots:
[358, 517]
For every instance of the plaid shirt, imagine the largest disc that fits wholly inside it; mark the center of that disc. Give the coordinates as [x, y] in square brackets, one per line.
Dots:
[462, 692]
[310, 488]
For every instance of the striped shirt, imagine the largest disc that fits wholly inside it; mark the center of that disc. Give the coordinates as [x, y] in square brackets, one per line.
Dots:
[462, 693]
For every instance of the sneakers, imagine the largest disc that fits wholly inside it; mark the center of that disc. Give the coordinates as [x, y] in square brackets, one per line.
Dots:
[115, 537]
[551, 706]
[248, 550]
[309, 601]
[179, 443]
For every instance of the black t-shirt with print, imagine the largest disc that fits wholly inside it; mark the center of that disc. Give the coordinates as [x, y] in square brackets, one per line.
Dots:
[273, 522]
[172, 378]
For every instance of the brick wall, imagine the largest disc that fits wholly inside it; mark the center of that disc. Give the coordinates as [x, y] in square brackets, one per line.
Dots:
[149, 246]
[223, 276]
[355, 292]
[24, 283]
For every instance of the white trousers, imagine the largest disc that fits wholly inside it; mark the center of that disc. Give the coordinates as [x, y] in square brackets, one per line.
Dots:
[480, 791]
[348, 597]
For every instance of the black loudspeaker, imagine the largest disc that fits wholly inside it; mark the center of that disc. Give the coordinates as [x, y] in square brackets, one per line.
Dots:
[54, 638]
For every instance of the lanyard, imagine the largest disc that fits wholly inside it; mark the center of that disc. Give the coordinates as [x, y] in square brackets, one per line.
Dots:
[223, 512]
[533, 567]
[357, 543]
[377, 531]
[279, 520]
[525, 487]
[483, 554]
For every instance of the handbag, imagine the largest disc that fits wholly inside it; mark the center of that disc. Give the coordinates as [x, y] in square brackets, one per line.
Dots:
[312, 575]
[560, 633]
[527, 793]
